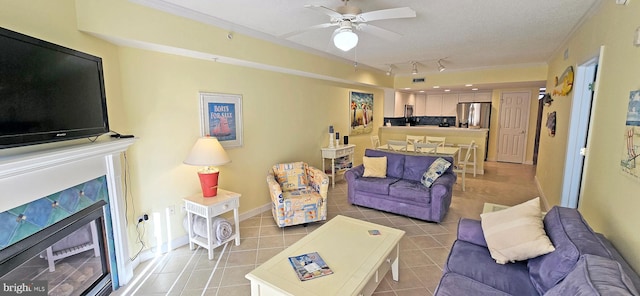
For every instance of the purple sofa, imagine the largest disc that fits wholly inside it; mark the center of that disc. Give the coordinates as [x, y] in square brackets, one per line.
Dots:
[401, 191]
[584, 263]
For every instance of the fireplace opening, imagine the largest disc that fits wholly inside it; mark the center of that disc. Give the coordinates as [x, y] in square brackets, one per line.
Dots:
[69, 256]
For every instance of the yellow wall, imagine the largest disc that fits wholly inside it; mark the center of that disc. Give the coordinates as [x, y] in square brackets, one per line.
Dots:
[285, 117]
[609, 199]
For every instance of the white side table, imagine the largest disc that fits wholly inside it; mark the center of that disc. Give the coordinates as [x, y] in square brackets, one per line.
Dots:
[333, 154]
[209, 208]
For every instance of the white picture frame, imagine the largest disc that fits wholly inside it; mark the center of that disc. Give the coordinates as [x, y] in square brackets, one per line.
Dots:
[221, 117]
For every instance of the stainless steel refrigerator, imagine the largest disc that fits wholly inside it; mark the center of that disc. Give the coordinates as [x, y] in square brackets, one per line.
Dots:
[473, 115]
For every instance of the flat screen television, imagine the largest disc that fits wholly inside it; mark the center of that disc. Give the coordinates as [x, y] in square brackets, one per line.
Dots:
[48, 92]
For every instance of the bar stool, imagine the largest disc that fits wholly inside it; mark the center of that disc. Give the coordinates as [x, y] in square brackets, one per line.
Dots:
[468, 162]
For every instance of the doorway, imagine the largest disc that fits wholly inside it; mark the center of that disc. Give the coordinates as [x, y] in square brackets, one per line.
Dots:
[581, 112]
[514, 126]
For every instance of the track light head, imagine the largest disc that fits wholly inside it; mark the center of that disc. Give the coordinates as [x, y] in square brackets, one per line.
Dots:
[414, 71]
[441, 67]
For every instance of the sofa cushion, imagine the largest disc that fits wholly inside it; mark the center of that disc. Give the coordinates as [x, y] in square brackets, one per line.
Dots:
[572, 237]
[374, 185]
[410, 190]
[516, 233]
[473, 261]
[291, 176]
[615, 255]
[595, 275]
[375, 167]
[415, 166]
[436, 169]
[395, 162]
[453, 284]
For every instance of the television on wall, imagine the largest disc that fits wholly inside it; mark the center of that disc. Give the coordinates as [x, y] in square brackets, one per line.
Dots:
[48, 92]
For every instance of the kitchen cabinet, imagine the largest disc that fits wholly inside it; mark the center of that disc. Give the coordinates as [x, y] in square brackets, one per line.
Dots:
[474, 97]
[441, 105]
[449, 104]
[421, 105]
[434, 105]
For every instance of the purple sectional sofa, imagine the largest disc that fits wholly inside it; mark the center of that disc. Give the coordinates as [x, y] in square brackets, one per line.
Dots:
[584, 263]
[401, 191]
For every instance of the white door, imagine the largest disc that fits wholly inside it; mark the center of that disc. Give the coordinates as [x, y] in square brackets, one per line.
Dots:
[514, 123]
[584, 88]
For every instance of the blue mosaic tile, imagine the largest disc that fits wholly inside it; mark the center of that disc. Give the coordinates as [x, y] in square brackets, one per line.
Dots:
[8, 226]
[69, 199]
[48, 210]
[92, 189]
[84, 202]
[25, 229]
[18, 210]
[38, 212]
[58, 214]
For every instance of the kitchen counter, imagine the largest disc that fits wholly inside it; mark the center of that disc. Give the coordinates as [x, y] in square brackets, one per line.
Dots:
[433, 127]
[454, 136]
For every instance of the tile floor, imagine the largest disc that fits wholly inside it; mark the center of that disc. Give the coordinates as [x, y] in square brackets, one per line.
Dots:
[423, 249]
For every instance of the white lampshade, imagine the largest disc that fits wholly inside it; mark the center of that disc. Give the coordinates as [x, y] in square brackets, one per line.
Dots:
[345, 39]
[207, 152]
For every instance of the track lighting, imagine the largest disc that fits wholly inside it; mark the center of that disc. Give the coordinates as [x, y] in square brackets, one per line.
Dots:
[441, 68]
[390, 71]
[414, 71]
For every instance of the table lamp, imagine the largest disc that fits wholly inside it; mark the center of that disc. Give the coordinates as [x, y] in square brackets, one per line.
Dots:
[208, 152]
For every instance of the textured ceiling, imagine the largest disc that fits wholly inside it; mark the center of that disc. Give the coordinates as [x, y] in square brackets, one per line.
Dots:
[467, 34]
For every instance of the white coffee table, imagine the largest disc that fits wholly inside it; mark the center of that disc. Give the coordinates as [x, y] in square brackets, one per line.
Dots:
[358, 259]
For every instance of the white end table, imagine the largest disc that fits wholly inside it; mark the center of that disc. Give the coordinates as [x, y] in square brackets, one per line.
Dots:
[337, 152]
[209, 208]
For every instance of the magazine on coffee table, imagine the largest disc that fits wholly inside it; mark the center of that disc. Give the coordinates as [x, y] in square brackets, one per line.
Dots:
[309, 266]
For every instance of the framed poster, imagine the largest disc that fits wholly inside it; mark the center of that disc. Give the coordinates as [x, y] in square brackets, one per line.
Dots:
[221, 117]
[629, 162]
[360, 113]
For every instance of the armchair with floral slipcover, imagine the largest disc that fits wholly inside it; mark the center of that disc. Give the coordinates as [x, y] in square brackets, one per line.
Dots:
[298, 193]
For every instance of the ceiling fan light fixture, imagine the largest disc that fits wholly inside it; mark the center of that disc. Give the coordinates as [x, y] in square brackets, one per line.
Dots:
[345, 39]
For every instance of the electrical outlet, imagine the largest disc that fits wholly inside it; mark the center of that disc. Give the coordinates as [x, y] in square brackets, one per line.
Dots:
[143, 218]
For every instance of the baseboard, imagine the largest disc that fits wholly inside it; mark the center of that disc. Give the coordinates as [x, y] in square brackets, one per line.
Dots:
[545, 203]
[149, 254]
[256, 211]
[530, 162]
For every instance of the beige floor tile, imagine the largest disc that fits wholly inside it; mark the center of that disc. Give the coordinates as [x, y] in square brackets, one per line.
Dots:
[423, 249]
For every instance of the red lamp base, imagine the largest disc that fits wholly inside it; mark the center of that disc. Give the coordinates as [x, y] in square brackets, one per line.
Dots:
[209, 184]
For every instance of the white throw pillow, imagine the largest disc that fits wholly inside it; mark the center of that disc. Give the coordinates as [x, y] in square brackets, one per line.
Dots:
[516, 233]
[375, 167]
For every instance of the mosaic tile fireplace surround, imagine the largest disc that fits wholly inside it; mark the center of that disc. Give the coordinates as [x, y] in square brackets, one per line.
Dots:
[50, 192]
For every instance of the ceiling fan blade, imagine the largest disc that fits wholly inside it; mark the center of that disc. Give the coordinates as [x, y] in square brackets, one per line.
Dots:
[377, 31]
[401, 12]
[296, 32]
[328, 11]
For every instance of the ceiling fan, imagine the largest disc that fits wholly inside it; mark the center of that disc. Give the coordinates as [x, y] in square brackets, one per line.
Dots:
[347, 18]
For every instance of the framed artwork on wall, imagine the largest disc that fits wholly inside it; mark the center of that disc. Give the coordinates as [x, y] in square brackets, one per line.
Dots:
[630, 161]
[221, 117]
[360, 113]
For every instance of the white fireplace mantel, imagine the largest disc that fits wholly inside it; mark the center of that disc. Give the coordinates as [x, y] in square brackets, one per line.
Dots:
[30, 173]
